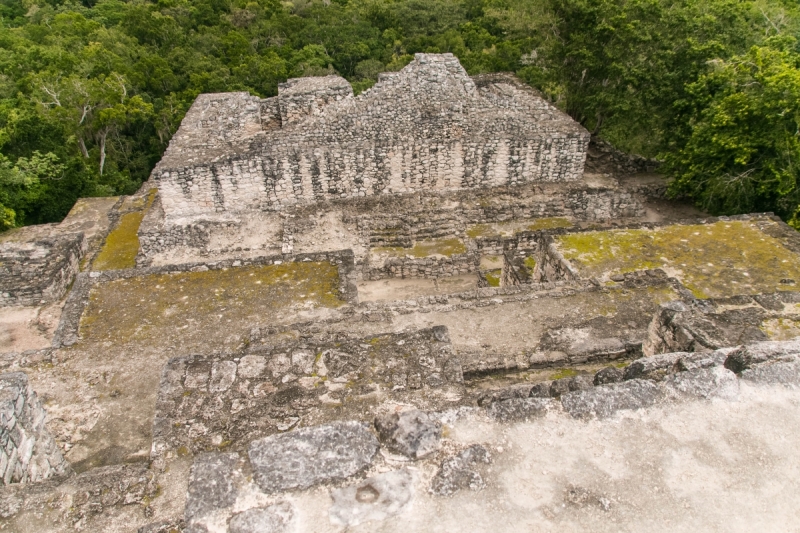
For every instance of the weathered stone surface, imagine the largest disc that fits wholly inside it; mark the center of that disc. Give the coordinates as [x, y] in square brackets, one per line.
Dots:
[460, 472]
[205, 400]
[609, 374]
[315, 141]
[275, 518]
[698, 360]
[164, 526]
[605, 400]
[744, 357]
[488, 398]
[40, 270]
[707, 383]
[655, 367]
[28, 452]
[376, 498]
[559, 387]
[518, 409]
[541, 390]
[212, 484]
[581, 382]
[783, 370]
[309, 456]
[412, 433]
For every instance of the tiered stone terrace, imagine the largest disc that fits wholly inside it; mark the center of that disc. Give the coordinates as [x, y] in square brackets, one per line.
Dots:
[409, 310]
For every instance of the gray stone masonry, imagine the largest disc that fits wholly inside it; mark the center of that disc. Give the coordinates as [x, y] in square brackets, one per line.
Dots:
[428, 127]
[207, 402]
[39, 271]
[28, 453]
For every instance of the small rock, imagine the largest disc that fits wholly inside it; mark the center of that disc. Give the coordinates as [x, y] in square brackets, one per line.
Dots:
[223, 374]
[412, 433]
[707, 383]
[458, 472]
[441, 334]
[251, 366]
[517, 409]
[605, 400]
[581, 382]
[559, 387]
[541, 390]
[308, 456]
[655, 367]
[376, 498]
[273, 519]
[609, 374]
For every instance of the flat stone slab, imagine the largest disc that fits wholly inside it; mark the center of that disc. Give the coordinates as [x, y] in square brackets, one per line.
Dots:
[309, 456]
[605, 400]
[520, 409]
[705, 383]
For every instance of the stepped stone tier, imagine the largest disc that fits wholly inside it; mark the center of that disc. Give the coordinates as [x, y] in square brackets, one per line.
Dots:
[429, 127]
[411, 310]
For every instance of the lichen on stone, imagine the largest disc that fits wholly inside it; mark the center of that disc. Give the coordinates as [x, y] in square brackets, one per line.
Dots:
[713, 260]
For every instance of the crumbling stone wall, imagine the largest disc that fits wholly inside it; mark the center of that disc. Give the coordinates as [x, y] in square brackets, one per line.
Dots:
[28, 452]
[212, 402]
[427, 127]
[423, 267]
[32, 273]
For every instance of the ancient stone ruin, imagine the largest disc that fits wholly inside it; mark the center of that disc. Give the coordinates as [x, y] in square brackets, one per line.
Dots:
[432, 306]
[429, 127]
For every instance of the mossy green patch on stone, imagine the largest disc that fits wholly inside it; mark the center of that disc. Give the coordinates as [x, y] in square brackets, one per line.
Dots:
[781, 329]
[530, 264]
[142, 308]
[507, 229]
[493, 277]
[712, 260]
[122, 244]
[549, 223]
[564, 373]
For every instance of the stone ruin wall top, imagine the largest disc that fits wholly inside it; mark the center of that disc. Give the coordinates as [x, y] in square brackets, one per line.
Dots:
[428, 127]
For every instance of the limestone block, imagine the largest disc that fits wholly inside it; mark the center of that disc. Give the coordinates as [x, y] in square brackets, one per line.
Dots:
[605, 400]
[519, 409]
[309, 456]
[705, 383]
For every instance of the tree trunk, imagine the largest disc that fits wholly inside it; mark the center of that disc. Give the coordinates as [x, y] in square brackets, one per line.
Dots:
[103, 136]
[82, 145]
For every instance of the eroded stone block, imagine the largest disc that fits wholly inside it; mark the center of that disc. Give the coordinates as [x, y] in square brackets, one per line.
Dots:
[309, 456]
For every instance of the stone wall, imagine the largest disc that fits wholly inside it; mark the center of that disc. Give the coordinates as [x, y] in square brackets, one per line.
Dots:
[427, 127]
[37, 272]
[211, 402]
[28, 452]
[423, 267]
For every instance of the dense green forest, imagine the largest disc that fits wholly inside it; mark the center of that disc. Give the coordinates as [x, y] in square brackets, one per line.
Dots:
[91, 91]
